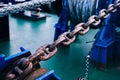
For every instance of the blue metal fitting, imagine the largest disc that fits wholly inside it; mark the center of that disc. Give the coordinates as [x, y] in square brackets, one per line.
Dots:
[7, 61]
[104, 45]
[49, 76]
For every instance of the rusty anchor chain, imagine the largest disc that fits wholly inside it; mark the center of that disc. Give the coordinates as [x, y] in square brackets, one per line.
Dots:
[45, 52]
[26, 65]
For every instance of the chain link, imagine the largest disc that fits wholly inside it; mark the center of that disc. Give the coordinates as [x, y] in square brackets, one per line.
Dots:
[111, 8]
[117, 3]
[94, 20]
[103, 13]
[60, 39]
[18, 72]
[80, 29]
[69, 38]
[48, 53]
[10, 9]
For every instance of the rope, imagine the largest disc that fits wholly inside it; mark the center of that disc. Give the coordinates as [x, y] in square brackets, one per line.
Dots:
[81, 10]
[10, 9]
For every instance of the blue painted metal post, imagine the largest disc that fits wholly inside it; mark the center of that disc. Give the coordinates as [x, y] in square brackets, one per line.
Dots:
[62, 24]
[103, 47]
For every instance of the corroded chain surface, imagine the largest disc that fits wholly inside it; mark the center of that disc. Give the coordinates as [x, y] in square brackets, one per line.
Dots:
[47, 51]
[10, 9]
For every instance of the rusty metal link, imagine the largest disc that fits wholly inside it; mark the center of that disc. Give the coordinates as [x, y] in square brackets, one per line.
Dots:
[84, 31]
[23, 63]
[112, 8]
[103, 13]
[60, 39]
[94, 20]
[80, 29]
[36, 56]
[19, 72]
[24, 72]
[68, 38]
[117, 4]
[48, 53]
